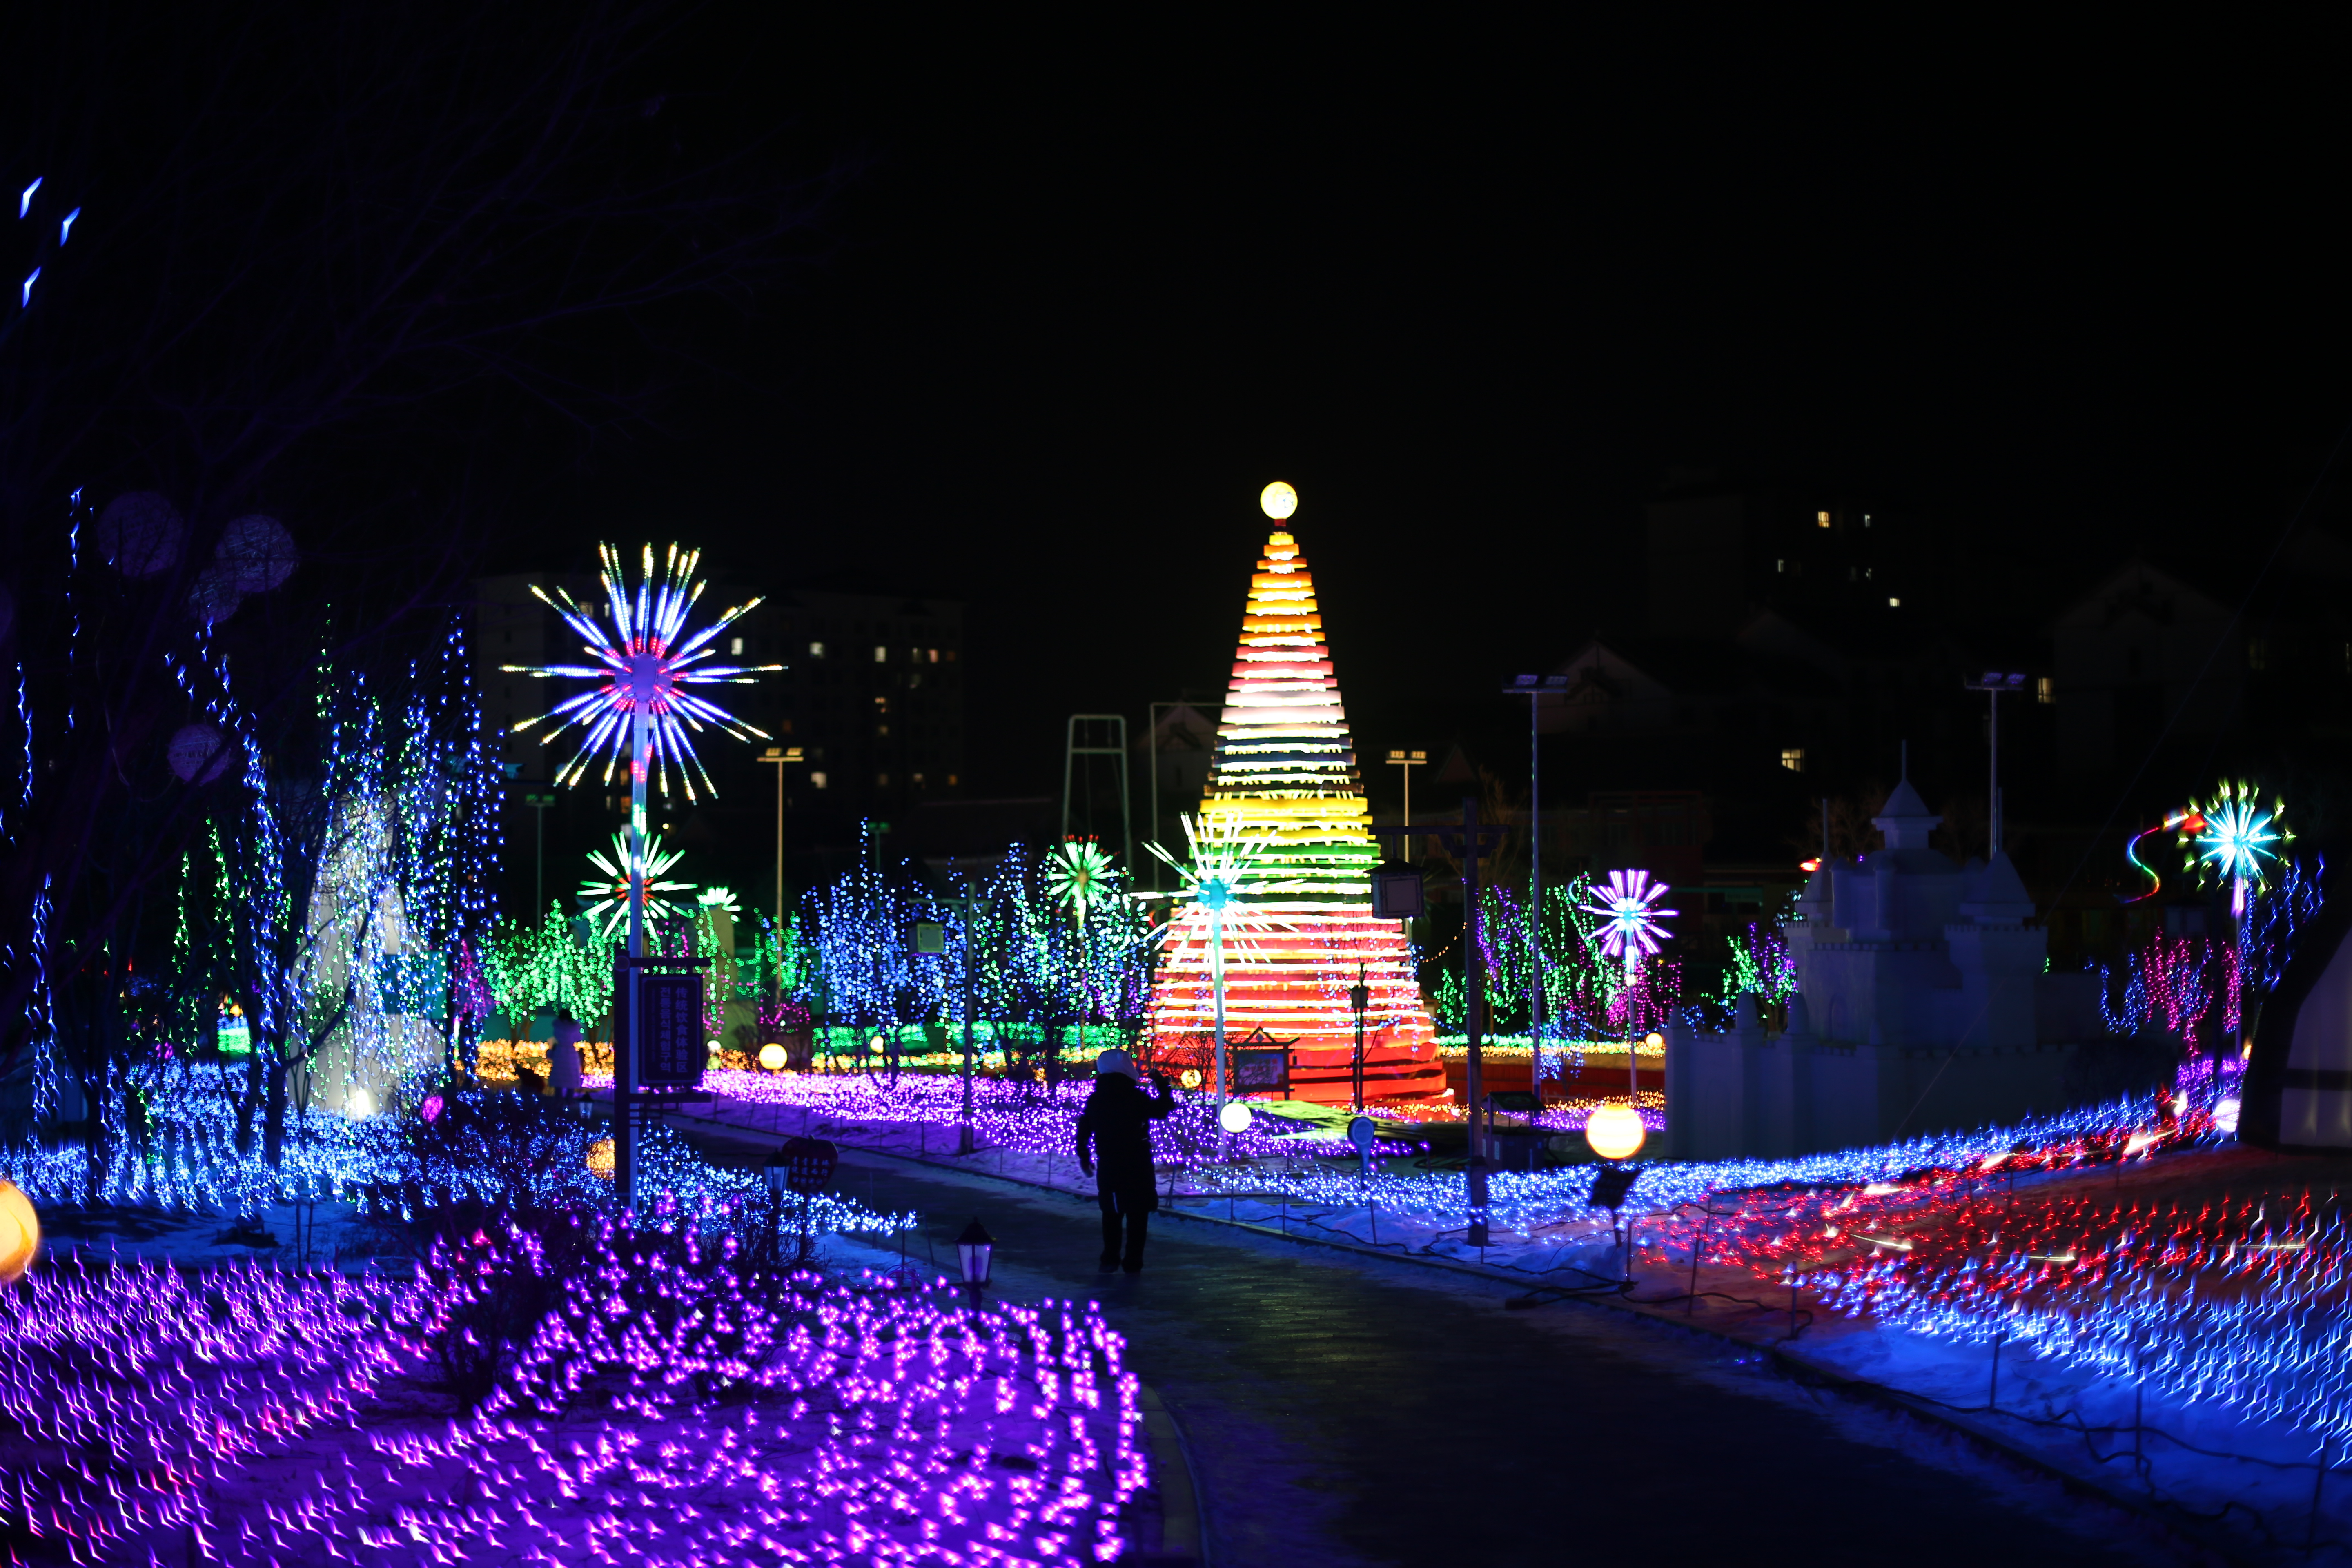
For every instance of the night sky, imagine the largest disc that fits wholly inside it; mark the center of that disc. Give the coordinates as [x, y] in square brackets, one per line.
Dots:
[1075, 312]
[1072, 294]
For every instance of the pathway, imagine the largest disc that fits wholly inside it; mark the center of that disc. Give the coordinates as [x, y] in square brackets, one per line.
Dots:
[1344, 1410]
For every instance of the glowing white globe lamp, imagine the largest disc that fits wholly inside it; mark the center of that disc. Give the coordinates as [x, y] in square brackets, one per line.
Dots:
[1235, 1117]
[1615, 1131]
[20, 1233]
[1277, 500]
[359, 1104]
[771, 1057]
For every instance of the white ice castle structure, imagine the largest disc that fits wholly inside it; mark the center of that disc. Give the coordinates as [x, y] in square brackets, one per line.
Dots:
[1921, 1005]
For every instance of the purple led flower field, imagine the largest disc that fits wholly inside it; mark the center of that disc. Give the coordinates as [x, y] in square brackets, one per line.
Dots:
[1005, 1116]
[584, 1394]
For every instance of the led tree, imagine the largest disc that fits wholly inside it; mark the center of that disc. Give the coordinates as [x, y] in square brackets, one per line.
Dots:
[1227, 867]
[641, 710]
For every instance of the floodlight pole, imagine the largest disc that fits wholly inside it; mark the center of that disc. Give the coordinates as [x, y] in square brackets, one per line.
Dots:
[1993, 684]
[1534, 690]
[1470, 841]
[1360, 997]
[539, 800]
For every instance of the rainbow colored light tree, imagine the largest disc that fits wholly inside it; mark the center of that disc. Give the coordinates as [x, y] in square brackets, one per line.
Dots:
[641, 707]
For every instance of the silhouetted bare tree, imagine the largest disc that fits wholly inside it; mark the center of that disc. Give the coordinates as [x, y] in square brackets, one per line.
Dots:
[358, 268]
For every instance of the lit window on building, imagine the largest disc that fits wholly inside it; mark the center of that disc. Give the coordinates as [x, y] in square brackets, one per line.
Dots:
[1865, 520]
[933, 655]
[816, 650]
[918, 781]
[881, 781]
[2258, 653]
[1894, 603]
[2045, 689]
[816, 778]
[881, 656]
[735, 647]
[1821, 518]
[1794, 758]
[1780, 565]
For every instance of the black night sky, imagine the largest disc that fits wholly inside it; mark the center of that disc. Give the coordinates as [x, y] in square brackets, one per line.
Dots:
[1082, 299]
[1061, 301]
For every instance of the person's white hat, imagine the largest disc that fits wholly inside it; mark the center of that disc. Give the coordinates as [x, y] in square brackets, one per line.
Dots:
[1114, 1062]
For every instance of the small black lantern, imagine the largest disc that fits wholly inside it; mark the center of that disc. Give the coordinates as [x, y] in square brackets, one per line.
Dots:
[1396, 890]
[973, 1249]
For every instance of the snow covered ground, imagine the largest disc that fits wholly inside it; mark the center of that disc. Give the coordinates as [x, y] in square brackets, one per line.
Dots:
[2204, 1452]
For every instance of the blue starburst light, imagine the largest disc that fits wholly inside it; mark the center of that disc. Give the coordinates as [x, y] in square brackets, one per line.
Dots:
[645, 662]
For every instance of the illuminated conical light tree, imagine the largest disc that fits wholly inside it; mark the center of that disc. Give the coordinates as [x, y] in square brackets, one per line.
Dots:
[1285, 772]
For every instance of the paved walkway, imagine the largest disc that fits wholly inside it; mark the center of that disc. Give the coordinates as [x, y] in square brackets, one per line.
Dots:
[1347, 1411]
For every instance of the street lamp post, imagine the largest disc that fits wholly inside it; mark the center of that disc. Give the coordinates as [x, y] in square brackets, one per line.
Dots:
[1359, 997]
[1535, 689]
[539, 800]
[1993, 684]
[780, 755]
[1471, 840]
[1408, 760]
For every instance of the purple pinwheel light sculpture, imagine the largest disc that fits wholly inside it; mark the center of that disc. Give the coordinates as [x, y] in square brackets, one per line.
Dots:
[1627, 906]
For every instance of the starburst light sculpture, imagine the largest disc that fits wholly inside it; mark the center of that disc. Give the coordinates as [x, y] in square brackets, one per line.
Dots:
[2233, 839]
[1631, 928]
[1080, 875]
[641, 708]
[645, 665]
[608, 891]
[1226, 866]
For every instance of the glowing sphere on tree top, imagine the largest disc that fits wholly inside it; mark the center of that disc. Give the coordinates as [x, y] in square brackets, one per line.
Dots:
[1615, 1131]
[20, 1233]
[1277, 500]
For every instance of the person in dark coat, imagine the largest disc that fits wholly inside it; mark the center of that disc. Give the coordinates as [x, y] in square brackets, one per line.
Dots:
[1115, 1133]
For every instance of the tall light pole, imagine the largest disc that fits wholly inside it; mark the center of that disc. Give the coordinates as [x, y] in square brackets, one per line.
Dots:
[1535, 689]
[780, 755]
[1993, 684]
[1408, 760]
[539, 800]
[1471, 841]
